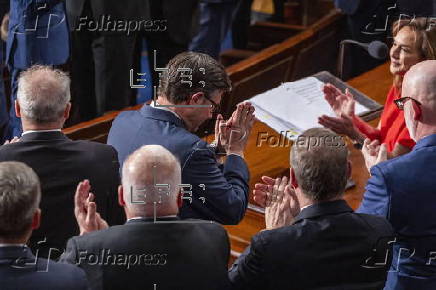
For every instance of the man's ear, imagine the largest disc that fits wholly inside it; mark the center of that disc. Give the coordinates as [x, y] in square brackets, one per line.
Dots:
[17, 109]
[417, 111]
[67, 111]
[349, 169]
[121, 196]
[294, 182]
[36, 220]
[195, 98]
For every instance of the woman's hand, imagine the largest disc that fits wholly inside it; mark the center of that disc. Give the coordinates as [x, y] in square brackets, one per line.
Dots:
[342, 125]
[342, 104]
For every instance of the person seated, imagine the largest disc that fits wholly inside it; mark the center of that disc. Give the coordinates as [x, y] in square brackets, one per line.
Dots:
[403, 189]
[43, 104]
[154, 247]
[217, 192]
[20, 194]
[414, 41]
[313, 240]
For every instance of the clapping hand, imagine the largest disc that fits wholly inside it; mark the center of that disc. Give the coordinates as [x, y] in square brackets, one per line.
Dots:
[85, 210]
[234, 133]
[279, 199]
[342, 104]
[373, 153]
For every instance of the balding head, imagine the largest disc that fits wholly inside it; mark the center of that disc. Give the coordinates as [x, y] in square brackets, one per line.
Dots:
[420, 84]
[151, 176]
[43, 95]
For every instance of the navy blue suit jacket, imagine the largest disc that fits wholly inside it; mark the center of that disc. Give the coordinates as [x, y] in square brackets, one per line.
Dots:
[328, 247]
[224, 196]
[20, 269]
[38, 33]
[404, 191]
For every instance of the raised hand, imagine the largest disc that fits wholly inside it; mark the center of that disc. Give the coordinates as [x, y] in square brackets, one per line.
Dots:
[281, 204]
[342, 104]
[237, 129]
[85, 210]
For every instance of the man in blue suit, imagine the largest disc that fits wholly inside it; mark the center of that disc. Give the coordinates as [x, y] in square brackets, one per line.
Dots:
[20, 194]
[38, 34]
[403, 189]
[191, 89]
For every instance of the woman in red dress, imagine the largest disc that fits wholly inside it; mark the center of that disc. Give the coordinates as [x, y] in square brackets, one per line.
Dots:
[414, 41]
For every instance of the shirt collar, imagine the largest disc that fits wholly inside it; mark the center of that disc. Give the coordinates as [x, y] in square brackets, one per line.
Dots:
[12, 245]
[323, 208]
[40, 131]
[156, 105]
[148, 218]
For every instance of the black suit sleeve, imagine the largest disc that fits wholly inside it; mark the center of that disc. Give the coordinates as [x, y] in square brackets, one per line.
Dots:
[115, 213]
[248, 270]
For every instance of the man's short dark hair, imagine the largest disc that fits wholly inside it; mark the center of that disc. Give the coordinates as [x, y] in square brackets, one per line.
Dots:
[319, 158]
[191, 72]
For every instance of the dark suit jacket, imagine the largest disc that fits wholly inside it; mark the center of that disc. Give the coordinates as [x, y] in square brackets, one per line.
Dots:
[328, 247]
[225, 189]
[116, 9]
[38, 33]
[61, 164]
[403, 191]
[20, 270]
[174, 255]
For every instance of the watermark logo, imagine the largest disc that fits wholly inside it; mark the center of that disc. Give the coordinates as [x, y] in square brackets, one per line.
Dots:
[105, 23]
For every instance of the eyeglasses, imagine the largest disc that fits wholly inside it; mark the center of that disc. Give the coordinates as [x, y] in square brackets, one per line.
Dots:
[401, 101]
[216, 108]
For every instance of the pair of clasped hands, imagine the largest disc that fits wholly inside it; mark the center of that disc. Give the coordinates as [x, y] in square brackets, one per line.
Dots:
[232, 135]
[343, 105]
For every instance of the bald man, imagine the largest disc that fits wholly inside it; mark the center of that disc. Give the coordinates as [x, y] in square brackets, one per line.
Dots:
[403, 189]
[154, 247]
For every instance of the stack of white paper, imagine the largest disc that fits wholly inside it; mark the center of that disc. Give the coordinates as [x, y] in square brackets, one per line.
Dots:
[295, 106]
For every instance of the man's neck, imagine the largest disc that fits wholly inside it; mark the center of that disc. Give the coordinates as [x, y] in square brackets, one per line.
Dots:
[424, 133]
[177, 110]
[34, 127]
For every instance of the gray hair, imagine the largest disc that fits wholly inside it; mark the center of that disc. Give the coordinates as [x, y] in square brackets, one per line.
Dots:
[43, 94]
[319, 158]
[20, 195]
[151, 174]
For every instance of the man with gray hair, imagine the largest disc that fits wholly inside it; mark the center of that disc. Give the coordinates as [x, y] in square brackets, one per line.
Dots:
[43, 104]
[20, 195]
[154, 247]
[313, 239]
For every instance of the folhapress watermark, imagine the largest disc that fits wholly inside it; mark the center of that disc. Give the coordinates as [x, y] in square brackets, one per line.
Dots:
[105, 23]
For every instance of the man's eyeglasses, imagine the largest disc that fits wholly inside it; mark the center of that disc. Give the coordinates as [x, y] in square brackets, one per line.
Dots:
[216, 108]
[401, 101]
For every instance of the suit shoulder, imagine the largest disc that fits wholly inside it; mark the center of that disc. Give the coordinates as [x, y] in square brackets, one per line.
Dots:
[95, 146]
[63, 272]
[378, 223]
